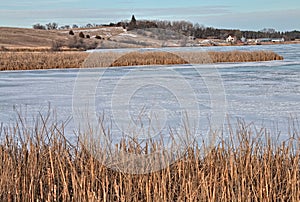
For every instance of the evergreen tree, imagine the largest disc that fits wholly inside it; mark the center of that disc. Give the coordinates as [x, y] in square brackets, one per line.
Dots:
[81, 35]
[132, 25]
[133, 20]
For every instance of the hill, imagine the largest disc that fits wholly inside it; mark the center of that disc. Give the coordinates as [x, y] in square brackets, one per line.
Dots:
[24, 39]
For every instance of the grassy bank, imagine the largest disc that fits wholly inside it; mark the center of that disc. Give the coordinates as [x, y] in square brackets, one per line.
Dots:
[50, 60]
[39, 164]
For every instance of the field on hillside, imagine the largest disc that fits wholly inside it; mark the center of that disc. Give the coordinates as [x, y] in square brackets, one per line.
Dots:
[24, 39]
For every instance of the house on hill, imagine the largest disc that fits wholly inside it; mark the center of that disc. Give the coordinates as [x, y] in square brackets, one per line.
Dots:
[231, 39]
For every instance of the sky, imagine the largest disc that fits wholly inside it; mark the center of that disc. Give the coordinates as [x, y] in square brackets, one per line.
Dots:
[230, 14]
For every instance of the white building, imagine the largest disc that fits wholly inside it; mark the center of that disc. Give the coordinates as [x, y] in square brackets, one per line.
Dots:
[278, 40]
[243, 39]
[231, 39]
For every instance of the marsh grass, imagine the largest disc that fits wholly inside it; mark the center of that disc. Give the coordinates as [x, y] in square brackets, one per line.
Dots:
[168, 58]
[75, 59]
[148, 58]
[39, 164]
[40, 60]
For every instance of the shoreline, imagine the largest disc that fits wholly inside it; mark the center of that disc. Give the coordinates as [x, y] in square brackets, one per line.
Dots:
[257, 44]
[66, 49]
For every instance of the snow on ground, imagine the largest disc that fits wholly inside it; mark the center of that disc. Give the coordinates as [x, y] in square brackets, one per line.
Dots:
[128, 34]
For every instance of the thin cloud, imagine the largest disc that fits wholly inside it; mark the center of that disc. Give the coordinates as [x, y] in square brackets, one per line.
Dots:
[280, 19]
[29, 4]
[113, 13]
[206, 10]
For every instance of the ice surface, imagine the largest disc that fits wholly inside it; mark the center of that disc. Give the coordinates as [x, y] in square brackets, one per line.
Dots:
[266, 93]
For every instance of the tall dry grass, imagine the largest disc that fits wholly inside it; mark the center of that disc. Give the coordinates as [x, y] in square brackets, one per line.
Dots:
[39, 164]
[168, 58]
[148, 58]
[244, 56]
[40, 60]
[50, 60]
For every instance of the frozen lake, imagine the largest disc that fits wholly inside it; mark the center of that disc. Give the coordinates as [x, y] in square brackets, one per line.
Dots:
[156, 98]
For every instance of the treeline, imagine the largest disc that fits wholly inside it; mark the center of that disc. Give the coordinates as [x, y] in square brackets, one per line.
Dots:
[54, 26]
[186, 28]
[200, 31]
[224, 33]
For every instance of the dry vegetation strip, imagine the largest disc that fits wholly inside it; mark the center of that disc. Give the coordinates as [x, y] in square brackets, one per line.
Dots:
[148, 58]
[40, 165]
[166, 58]
[40, 60]
[50, 60]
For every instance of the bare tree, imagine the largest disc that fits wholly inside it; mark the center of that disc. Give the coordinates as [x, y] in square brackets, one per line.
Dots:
[52, 26]
[38, 26]
[89, 25]
[268, 30]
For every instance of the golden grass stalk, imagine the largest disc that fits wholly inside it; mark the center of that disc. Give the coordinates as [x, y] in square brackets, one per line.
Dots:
[39, 164]
[51, 60]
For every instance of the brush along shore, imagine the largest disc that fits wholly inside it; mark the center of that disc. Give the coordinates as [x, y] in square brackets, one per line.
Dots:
[54, 60]
[39, 164]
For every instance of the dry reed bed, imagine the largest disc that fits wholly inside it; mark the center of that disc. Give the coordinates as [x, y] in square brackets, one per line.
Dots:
[40, 60]
[40, 165]
[50, 60]
[167, 58]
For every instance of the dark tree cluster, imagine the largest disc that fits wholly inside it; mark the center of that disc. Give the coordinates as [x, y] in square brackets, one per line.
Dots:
[210, 32]
[291, 35]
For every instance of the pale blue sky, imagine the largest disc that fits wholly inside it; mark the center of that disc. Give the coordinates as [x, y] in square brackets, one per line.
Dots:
[252, 15]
